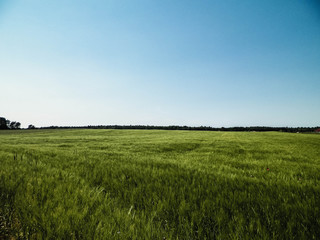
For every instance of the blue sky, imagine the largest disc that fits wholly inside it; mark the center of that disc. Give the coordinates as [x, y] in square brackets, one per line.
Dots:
[211, 63]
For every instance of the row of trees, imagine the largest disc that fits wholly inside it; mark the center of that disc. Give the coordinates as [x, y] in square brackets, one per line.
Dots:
[201, 128]
[7, 124]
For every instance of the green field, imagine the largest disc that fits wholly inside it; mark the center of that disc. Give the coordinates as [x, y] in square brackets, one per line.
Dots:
[153, 184]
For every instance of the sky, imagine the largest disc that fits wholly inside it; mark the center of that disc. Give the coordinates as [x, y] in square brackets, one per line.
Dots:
[218, 63]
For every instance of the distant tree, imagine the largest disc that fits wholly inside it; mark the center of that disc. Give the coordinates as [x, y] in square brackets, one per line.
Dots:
[18, 125]
[31, 126]
[3, 123]
[14, 125]
[8, 123]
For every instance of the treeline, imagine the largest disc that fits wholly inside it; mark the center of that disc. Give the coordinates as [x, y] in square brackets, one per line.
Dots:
[201, 128]
[7, 124]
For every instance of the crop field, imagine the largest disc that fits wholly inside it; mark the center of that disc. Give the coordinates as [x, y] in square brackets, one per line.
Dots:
[153, 184]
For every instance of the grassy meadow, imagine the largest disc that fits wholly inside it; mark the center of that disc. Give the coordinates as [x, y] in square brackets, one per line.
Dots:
[153, 184]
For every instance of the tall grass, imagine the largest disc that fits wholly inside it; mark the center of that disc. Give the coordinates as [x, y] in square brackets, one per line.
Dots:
[136, 184]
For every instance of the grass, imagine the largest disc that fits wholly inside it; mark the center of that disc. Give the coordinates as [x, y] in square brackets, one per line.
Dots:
[153, 184]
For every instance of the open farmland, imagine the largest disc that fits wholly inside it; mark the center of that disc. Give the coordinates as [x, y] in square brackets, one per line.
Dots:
[143, 184]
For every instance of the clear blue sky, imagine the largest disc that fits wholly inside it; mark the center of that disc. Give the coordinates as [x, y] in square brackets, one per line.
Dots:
[209, 62]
